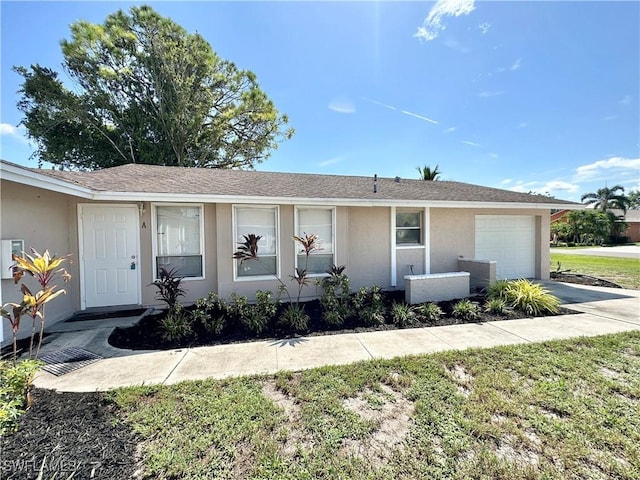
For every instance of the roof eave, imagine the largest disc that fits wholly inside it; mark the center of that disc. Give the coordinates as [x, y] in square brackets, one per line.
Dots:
[17, 174]
[347, 202]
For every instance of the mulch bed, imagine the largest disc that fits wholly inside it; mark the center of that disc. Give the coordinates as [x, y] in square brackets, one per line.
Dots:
[75, 434]
[81, 434]
[145, 335]
[580, 279]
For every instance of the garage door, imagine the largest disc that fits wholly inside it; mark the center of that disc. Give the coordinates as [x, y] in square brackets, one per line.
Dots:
[510, 241]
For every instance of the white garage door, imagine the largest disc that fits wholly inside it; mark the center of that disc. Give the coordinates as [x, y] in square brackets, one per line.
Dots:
[510, 241]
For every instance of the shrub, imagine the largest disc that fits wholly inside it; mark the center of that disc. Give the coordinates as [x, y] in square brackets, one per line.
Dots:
[402, 314]
[497, 306]
[294, 318]
[370, 305]
[176, 325]
[211, 313]
[242, 312]
[498, 290]
[335, 299]
[265, 306]
[15, 383]
[429, 312]
[169, 288]
[465, 309]
[531, 298]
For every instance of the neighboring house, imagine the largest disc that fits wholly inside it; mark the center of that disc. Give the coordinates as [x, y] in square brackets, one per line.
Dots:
[631, 218]
[122, 224]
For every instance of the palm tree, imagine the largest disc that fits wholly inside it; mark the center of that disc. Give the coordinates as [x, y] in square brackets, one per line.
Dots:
[427, 174]
[607, 198]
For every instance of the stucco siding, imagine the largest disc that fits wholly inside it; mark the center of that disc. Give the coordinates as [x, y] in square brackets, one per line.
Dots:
[369, 246]
[453, 235]
[41, 219]
[409, 261]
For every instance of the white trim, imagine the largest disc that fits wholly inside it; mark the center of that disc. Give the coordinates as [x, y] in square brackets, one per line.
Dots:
[23, 175]
[83, 298]
[410, 247]
[154, 237]
[333, 235]
[278, 255]
[340, 202]
[427, 239]
[394, 260]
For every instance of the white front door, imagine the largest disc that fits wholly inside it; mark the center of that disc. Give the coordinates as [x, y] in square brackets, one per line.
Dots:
[109, 251]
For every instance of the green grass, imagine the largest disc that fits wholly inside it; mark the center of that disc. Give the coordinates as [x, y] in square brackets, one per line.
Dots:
[558, 410]
[623, 271]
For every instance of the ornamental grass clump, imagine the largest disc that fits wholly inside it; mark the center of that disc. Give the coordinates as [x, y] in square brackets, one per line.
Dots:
[403, 315]
[465, 310]
[532, 298]
[526, 296]
[429, 312]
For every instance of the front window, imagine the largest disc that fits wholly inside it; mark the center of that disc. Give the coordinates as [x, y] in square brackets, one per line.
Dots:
[408, 228]
[316, 221]
[179, 239]
[259, 221]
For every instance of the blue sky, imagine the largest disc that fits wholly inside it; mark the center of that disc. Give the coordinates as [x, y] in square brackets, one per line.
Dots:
[530, 96]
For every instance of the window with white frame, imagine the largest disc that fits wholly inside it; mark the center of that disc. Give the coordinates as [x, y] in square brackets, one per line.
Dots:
[320, 222]
[408, 228]
[179, 241]
[261, 221]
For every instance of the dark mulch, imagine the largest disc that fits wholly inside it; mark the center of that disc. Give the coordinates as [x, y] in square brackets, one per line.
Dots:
[75, 434]
[580, 279]
[81, 433]
[145, 335]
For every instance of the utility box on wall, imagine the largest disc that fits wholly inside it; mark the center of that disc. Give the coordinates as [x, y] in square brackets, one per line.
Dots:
[9, 247]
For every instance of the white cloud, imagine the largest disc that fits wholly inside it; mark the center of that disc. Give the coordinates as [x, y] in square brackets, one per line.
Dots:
[484, 27]
[493, 155]
[506, 181]
[516, 65]
[626, 100]
[432, 25]
[473, 144]
[456, 45]
[426, 119]
[450, 130]
[552, 187]
[606, 169]
[342, 105]
[411, 114]
[13, 131]
[490, 94]
[523, 125]
[608, 118]
[330, 161]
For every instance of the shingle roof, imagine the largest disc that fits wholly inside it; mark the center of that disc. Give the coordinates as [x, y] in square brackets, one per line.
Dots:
[242, 183]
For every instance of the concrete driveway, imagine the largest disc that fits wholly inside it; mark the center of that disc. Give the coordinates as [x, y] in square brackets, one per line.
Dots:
[622, 251]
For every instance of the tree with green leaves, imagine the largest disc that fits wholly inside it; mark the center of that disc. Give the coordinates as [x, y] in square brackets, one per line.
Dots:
[427, 174]
[606, 198]
[147, 91]
[634, 199]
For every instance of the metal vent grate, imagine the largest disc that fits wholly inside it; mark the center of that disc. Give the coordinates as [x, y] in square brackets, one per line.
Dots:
[68, 360]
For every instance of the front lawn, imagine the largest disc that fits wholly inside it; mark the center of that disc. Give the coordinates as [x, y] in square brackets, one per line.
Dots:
[623, 271]
[561, 410]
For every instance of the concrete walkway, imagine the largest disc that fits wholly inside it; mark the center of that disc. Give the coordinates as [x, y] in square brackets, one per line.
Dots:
[604, 310]
[621, 251]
